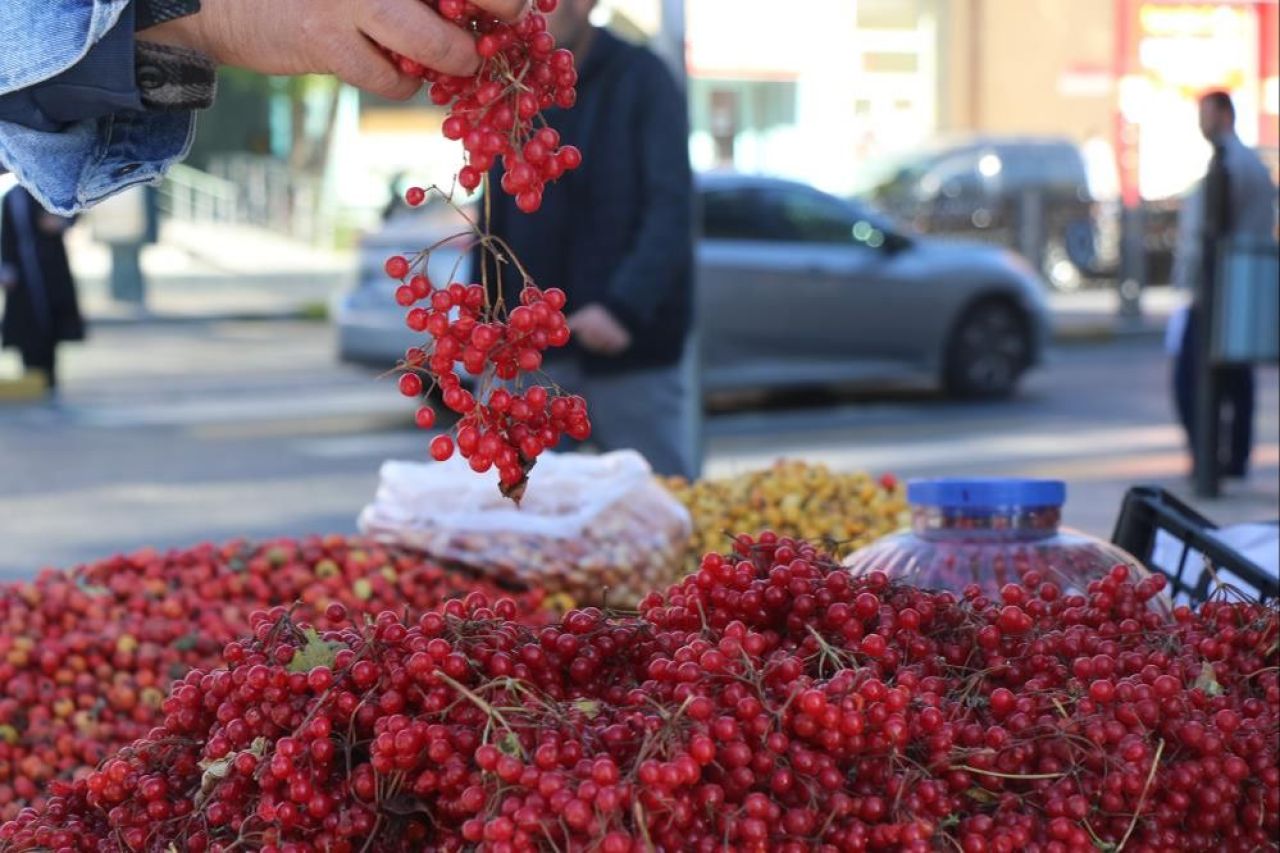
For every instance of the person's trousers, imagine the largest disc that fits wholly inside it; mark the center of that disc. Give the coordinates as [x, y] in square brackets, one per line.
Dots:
[43, 357]
[1235, 403]
[649, 411]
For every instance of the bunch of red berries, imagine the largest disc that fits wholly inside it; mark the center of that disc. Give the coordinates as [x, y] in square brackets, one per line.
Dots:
[495, 112]
[508, 427]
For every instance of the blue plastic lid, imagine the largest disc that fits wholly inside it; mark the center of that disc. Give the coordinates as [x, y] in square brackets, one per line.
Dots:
[986, 493]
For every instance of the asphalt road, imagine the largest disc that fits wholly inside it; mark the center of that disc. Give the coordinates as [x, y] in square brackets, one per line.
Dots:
[167, 435]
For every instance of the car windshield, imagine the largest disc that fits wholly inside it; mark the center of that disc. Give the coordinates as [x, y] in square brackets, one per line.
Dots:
[789, 212]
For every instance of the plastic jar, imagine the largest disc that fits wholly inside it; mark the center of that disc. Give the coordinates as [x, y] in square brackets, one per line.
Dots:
[990, 532]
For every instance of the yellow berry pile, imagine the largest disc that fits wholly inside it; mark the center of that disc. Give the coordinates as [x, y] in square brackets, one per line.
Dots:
[795, 499]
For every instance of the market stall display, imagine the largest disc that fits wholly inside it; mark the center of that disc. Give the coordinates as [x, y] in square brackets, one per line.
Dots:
[772, 701]
[990, 532]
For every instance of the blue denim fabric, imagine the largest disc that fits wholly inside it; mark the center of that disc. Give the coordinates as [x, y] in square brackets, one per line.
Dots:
[71, 125]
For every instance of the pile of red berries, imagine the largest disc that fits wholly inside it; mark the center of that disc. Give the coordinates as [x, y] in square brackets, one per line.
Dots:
[87, 657]
[494, 113]
[510, 424]
[769, 702]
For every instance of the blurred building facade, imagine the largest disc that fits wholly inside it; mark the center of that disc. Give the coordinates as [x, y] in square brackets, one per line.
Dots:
[833, 83]
[818, 91]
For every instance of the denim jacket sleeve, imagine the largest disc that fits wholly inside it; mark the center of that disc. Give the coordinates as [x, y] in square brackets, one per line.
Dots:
[72, 126]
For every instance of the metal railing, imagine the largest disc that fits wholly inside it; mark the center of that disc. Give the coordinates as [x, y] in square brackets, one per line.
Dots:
[190, 195]
[254, 191]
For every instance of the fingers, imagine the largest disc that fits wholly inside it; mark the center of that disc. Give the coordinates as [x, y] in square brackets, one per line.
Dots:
[508, 10]
[364, 66]
[411, 29]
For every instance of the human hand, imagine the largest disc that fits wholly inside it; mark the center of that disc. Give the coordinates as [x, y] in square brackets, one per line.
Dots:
[599, 331]
[339, 37]
[52, 224]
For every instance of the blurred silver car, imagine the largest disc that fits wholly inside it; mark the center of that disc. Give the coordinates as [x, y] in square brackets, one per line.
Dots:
[795, 288]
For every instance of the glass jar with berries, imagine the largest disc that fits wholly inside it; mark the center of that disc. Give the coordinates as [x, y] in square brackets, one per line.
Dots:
[989, 533]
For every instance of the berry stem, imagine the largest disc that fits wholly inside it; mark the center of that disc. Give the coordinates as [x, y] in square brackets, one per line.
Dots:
[1142, 800]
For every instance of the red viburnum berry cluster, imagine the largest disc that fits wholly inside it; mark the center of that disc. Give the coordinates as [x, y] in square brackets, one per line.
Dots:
[769, 702]
[503, 425]
[494, 113]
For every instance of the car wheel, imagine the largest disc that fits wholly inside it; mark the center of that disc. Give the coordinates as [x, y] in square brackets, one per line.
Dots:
[988, 352]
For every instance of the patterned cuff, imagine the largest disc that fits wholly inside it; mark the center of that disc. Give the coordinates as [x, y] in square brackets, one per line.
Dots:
[152, 12]
[174, 79]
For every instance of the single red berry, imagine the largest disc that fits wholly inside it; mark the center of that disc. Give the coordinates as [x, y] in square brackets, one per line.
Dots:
[411, 385]
[441, 448]
[397, 266]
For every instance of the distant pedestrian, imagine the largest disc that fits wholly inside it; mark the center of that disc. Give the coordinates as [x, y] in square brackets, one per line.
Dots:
[1235, 201]
[617, 236]
[40, 308]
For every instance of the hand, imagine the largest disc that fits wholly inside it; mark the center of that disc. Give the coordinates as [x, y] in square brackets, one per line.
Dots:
[52, 224]
[339, 37]
[599, 331]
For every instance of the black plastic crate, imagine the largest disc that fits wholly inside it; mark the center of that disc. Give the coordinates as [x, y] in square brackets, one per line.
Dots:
[1205, 562]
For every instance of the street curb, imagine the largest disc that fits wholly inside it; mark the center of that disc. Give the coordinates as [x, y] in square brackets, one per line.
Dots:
[159, 319]
[1106, 333]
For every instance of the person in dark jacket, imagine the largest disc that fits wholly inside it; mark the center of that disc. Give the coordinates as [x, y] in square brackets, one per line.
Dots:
[617, 236]
[40, 308]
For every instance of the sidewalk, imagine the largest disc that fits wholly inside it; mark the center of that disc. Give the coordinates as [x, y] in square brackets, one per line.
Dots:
[204, 273]
[1094, 315]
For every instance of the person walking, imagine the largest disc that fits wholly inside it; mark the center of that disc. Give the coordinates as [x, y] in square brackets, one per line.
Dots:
[617, 236]
[40, 306]
[1236, 201]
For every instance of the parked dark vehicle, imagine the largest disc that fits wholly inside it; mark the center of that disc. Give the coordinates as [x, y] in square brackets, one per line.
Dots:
[979, 187]
[795, 288]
